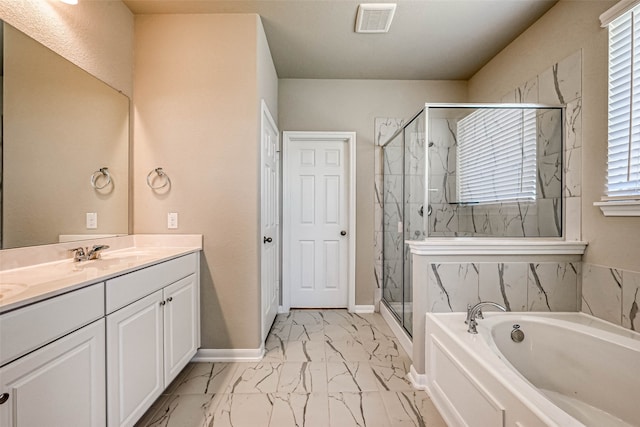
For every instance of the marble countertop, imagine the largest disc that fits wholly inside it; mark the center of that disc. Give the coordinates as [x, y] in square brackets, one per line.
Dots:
[26, 285]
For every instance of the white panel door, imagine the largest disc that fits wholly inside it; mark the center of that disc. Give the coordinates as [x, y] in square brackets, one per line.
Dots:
[61, 384]
[319, 215]
[270, 214]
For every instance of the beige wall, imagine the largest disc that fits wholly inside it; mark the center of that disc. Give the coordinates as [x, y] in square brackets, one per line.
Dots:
[566, 28]
[196, 108]
[95, 35]
[352, 105]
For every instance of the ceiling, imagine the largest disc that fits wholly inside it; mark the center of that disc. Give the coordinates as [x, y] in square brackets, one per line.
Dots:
[428, 39]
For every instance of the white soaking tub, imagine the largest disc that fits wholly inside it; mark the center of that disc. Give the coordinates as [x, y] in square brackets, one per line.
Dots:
[570, 370]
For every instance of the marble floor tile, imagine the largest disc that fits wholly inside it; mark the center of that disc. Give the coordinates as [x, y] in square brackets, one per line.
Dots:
[346, 351]
[304, 351]
[307, 317]
[274, 349]
[313, 332]
[341, 332]
[303, 377]
[392, 378]
[242, 410]
[353, 377]
[280, 330]
[203, 378]
[357, 410]
[324, 368]
[411, 408]
[177, 410]
[261, 377]
[300, 410]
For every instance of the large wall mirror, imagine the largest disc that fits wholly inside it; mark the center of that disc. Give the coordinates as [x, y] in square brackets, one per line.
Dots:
[65, 149]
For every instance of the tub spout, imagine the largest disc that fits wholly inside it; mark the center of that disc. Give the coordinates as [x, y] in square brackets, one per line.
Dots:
[475, 312]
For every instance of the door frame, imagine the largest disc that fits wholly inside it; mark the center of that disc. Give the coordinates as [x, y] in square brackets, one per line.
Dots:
[310, 137]
[266, 117]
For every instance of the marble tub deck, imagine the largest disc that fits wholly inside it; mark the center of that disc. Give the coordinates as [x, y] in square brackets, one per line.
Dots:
[322, 368]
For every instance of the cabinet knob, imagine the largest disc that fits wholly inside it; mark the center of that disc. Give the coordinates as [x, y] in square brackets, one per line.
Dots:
[169, 299]
[163, 302]
[4, 397]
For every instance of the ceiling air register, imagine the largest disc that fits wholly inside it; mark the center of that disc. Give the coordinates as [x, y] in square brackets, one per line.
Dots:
[374, 17]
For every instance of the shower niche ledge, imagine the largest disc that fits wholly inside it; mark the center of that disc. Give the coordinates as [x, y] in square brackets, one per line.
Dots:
[484, 246]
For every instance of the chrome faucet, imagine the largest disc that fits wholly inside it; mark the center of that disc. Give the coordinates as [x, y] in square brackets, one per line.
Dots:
[94, 252]
[475, 312]
[84, 254]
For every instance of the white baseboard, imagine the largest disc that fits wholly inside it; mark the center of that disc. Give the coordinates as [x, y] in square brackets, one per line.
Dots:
[398, 331]
[417, 380]
[364, 309]
[282, 310]
[229, 355]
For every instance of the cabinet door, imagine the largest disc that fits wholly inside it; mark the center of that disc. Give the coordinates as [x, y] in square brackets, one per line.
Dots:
[134, 359]
[61, 384]
[181, 321]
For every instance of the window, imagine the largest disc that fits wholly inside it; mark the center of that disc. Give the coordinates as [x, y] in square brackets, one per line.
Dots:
[497, 156]
[622, 196]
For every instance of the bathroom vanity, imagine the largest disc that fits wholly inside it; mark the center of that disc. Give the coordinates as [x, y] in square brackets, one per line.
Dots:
[95, 343]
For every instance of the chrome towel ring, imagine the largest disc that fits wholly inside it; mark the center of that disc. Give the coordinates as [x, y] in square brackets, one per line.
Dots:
[101, 173]
[160, 174]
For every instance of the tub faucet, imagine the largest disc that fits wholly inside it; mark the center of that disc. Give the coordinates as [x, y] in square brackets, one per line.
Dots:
[476, 312]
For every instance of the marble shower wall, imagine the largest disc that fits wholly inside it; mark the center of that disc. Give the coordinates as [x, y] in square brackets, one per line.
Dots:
[519, 286]
[561, 84]
[612, 294]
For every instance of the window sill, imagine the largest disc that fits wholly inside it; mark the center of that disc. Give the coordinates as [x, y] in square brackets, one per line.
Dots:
[619, 207]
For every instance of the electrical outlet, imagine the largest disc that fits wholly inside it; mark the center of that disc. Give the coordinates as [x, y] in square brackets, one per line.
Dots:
[92, 220]
[172, 220]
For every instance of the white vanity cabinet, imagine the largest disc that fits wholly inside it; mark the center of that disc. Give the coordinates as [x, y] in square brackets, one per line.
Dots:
[152, 333]
[54, 355]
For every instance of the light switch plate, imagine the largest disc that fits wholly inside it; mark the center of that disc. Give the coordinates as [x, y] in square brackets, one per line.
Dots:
[92, 220]
[172, 220]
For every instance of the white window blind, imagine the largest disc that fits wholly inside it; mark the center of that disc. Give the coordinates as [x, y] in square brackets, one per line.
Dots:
[497, 156]
[623, 163]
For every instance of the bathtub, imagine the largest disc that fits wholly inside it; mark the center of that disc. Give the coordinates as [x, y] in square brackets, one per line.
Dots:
[571, 369]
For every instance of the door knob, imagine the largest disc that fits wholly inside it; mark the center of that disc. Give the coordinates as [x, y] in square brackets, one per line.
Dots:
[267, 240]
[4, 397]
[343, 233]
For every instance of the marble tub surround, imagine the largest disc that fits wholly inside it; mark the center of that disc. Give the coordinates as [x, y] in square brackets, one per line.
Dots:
[612, 294]
[521, 274]
[33, 274]
[322, 368]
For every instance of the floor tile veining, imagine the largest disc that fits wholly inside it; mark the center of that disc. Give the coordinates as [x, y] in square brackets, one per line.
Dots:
[322, 368]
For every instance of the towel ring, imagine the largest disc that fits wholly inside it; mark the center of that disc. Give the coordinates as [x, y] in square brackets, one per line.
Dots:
[160, 173]
[101, 173]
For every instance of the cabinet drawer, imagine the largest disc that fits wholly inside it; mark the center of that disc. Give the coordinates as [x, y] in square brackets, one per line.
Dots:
[28, 328]
[131, 287]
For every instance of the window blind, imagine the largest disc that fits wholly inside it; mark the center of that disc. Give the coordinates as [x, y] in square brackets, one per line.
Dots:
[623, 160]
[497, 156]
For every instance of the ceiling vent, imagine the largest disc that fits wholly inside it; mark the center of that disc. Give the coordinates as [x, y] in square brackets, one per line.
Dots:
[374, 17]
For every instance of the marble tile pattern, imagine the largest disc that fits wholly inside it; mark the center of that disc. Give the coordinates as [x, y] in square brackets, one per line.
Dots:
[612, 294]
[323, 368]
[559, 176]
[518, 286]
